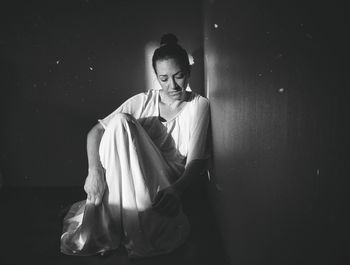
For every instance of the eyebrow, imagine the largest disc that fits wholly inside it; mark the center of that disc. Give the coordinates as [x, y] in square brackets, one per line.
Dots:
[181, 71]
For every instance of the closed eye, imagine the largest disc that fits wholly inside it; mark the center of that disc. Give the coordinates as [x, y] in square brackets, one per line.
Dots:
[179, 76]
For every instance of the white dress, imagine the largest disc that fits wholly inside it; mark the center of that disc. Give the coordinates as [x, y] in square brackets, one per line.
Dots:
[141, 155]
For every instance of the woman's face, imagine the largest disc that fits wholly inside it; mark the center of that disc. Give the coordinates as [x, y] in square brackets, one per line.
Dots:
[172, 77]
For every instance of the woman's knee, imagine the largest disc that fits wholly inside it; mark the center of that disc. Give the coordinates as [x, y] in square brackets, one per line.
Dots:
[120, 120]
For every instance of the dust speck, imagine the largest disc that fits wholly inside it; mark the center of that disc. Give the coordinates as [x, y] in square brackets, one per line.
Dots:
[308, 35]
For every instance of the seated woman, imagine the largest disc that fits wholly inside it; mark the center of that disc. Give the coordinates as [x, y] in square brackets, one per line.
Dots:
[141, 158]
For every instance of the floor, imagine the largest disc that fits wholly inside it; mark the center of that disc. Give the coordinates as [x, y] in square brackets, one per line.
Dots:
[30, 227]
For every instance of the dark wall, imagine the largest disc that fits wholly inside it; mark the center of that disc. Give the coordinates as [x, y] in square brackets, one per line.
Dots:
[275, 76]
[64, 64]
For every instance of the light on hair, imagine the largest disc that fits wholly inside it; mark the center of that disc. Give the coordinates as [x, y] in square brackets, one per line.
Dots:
[151, 78]
[191, 59]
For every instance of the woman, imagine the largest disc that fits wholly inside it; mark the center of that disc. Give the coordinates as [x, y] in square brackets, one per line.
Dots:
[141, 158]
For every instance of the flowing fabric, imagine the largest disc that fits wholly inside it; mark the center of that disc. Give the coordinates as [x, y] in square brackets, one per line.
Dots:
[141, 155]
[135, 171]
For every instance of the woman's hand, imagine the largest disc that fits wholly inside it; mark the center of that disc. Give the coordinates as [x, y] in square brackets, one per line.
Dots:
[167, 202]
[95, 185]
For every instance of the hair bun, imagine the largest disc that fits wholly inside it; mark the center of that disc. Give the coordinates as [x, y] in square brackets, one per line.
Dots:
[168, 39]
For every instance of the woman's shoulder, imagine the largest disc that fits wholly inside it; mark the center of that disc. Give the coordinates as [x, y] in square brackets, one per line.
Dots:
[142, 97]
[198, 100]
[197, 106]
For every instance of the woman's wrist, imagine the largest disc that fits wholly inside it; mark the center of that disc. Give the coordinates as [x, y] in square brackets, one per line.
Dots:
[96, 169]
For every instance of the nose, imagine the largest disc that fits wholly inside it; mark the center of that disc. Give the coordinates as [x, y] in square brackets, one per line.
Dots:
[172, 83]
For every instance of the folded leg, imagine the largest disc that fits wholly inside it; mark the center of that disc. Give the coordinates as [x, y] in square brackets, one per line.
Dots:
[135, 170]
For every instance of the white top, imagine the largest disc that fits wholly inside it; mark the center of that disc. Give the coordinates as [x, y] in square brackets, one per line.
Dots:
[181, 139]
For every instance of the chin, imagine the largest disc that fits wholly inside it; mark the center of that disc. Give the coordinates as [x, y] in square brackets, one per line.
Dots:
[177, 96]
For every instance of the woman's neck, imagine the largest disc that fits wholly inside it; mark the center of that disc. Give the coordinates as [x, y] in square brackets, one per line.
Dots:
[170, 108]
[169, 102]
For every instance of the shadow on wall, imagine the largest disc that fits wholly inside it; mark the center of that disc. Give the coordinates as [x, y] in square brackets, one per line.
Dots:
[277, 98]
[49, 141]
[1, 180]
[68, 64]
[197, 72]
[7, 96]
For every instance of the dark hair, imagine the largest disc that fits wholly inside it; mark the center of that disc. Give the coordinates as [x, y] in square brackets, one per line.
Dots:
[170, 49]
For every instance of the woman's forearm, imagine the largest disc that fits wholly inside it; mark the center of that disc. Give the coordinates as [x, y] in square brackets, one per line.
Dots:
[93, 143]
[192, 171]
[95, 183]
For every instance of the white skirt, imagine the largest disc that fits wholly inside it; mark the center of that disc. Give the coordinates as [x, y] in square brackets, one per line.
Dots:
[135, 170]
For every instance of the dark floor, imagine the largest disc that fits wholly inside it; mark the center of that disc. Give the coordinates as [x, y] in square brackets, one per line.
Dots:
[31, 220]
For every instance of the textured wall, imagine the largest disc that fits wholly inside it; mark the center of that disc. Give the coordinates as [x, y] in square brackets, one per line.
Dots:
[275, 77]
[64, 64]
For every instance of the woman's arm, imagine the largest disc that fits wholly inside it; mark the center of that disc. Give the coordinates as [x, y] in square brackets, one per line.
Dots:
[193, 169]
[95, 181]
[197, 148]
[167, 200]
[93, 143]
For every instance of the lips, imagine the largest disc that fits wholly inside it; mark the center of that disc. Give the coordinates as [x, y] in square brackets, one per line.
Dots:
[174, 92]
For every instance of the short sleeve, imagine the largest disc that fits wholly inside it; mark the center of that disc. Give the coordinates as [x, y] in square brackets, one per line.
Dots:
[132, 106]
[198, 148]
